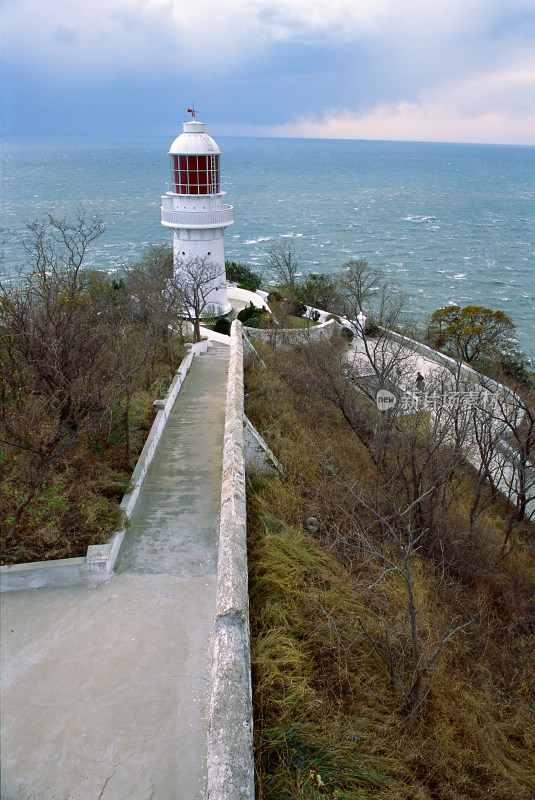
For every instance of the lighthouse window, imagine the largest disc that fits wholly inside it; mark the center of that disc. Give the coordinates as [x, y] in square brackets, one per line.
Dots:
[195, 174]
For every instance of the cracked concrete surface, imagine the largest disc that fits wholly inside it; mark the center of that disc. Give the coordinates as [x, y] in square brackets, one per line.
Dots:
[105, 688]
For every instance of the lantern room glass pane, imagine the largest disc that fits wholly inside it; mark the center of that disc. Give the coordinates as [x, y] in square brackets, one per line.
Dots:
[195, 174]
[175, 173]
[216, 174]
[201, 173]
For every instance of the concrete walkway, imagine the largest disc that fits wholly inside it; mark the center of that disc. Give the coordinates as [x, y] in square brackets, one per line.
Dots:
[104, 688]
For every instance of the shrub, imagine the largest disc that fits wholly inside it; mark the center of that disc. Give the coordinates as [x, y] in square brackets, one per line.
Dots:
[222, 325]
[320, 291]
[246, 313]
[275, 296]
[371, 330]
[517, 367]
[297, 309]
[243, 276]
[259, 320]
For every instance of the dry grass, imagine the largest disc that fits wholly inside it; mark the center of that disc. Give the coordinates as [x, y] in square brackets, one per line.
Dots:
[328, 720]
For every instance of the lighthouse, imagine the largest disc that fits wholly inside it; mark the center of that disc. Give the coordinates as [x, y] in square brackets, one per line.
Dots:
[193, 208]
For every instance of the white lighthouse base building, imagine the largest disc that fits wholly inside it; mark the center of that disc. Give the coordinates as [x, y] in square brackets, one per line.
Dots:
[193, 208]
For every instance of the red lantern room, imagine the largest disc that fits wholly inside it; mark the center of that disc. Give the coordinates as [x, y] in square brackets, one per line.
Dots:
[195, 174]
[194, 161]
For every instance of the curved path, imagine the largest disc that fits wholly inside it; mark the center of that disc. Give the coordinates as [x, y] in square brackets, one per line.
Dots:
[104, 687]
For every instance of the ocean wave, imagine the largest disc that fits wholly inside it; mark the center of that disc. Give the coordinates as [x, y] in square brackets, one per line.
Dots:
[419, 219]
[460, 276]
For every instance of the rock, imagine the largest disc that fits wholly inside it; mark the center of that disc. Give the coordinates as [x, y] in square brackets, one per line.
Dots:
[312, 524]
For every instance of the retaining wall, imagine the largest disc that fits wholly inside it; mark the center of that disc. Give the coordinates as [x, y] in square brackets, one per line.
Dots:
[290, 337]
[99, 562]
[230, 765]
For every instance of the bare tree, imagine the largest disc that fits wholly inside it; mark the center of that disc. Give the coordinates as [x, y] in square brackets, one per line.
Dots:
[512, 469]
[412, 660]
[56, 247]
[194, 282]
[139, 311]
[356, 283]
[284, 259]
[488, 462]
[153, 291]
[131, 345]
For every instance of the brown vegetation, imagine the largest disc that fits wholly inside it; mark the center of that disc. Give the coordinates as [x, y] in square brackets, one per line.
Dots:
[82, 357]
[362, 688]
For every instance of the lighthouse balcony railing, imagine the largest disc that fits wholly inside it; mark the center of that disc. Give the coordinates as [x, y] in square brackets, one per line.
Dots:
[197, 219]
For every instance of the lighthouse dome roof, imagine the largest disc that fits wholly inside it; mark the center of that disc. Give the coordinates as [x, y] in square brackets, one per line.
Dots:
[194, 140]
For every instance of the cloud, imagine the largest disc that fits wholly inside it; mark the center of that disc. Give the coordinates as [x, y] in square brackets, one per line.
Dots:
[406, 122]
[419, 65]
[207, 33]
[130, 36]
[496, 108]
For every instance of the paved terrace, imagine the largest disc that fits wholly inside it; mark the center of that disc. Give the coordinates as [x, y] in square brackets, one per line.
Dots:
[104, 688]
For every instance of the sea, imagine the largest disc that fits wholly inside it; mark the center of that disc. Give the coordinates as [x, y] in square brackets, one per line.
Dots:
[445, 223]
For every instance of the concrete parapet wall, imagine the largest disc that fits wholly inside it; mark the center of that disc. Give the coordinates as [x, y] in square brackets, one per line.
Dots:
[258, 456]
[290, 337]
[257, 298]
[230, 765]
[214, 336]
[99, 562]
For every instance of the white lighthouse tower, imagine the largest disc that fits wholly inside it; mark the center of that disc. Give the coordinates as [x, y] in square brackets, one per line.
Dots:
[193, 207]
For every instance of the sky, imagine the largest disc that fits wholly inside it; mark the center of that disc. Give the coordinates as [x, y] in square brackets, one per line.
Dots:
[421, 70]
